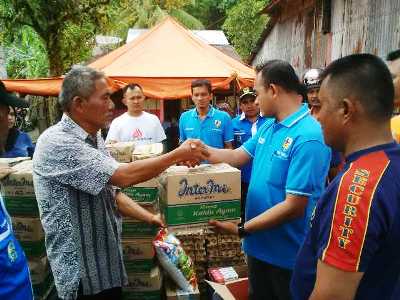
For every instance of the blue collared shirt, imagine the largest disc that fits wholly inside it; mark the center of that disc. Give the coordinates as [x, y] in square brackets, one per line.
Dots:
[215, 130]
[243, 129]
[289, 157]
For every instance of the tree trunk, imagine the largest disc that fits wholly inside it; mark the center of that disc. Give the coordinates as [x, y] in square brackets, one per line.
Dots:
[54, 55]
[3, 64]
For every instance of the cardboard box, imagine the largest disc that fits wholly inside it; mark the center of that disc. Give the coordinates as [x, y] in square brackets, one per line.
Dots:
[174, 293]
[150, 295]
[231, 290]
[195, 195]
[134, 229]
[27, 229]
[20, 182]
[121, 151]
[145, 193]
[9, 162]
[43, 288]
[39, 269]
[139, 266]
[18, 192]
[147, 151]
[34, 249]
[138, 249]
[145, 282]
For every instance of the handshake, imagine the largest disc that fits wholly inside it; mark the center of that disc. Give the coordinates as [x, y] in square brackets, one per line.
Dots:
[191, 153]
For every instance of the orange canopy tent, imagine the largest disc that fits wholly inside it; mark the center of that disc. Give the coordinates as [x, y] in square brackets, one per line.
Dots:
[163, 61]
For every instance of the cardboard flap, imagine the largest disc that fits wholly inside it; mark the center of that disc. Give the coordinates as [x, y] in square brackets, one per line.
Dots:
[239, 288]
[221, 290]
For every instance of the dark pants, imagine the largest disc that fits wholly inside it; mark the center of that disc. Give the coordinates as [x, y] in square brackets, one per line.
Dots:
[245, 188]
[110, 294]
[268, 282]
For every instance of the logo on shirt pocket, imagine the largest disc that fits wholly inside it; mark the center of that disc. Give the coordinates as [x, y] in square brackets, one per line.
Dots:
[217, 123]
[287, 143]
[12, 252]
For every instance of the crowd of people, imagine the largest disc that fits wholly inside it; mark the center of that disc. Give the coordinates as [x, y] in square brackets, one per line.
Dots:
[320, 180]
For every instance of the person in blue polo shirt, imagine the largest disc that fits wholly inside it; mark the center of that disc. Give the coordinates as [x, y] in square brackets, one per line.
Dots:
[290, 164]
[245, 126]
[352, 249]
[14, 272]
[212, 126]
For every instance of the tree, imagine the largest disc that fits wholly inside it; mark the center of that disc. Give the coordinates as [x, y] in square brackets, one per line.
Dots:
[210, 12]
[244, 25]
[64, 27]
[150, 12]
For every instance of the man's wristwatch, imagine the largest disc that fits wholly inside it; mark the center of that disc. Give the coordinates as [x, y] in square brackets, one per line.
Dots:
[241, 231]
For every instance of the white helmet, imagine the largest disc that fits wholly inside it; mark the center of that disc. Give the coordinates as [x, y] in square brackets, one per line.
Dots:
[312, 78]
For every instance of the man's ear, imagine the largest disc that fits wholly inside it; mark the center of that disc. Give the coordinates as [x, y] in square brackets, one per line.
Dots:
[274, 89]
[349, 109]
[77, 104]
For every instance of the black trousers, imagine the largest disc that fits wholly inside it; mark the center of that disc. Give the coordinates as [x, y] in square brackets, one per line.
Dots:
[245, 188]
[268, 282]
[110, 294]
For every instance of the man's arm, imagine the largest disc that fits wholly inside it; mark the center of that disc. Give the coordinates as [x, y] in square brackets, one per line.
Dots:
[128, 207]
[228, 145]
[344, 287]
[291, 208]
[142, 170]
[236, 158]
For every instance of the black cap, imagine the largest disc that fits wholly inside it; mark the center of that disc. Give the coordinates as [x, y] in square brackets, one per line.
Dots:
[10, 99]
[248, 91]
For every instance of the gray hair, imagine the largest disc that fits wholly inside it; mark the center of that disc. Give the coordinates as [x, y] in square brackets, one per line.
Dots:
[80, 81]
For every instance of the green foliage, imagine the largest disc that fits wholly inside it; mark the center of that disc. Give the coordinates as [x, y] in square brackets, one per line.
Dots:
[61, 25]
[26, 55]
[244, 25]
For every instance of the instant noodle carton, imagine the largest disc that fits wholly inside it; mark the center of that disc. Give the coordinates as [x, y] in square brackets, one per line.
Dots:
[193, 196]
[18, 192]
[145, 193]
[121, 151]
[27, 229]
[144, 286]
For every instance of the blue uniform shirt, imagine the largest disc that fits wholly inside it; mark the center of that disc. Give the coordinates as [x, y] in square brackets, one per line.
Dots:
[290, 157]
[14, 272]
[243, 130]
[23, 147]
[214, 130]
[356, 227]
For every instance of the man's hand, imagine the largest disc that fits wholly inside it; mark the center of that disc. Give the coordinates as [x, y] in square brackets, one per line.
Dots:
[224, 227]
[157, 221]
[191, 152]
[4, 171]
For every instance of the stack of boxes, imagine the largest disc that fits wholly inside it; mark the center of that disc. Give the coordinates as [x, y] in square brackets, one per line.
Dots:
[145, 280]
[19, 196]
[189, 198]
[144, 276]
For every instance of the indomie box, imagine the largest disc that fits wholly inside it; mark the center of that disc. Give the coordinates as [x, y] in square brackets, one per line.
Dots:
[135, 249]
[144, 192]
[39, 269]
[27, 229]
[196, 195]
[17, 189]
[145, 282]
[121, 151]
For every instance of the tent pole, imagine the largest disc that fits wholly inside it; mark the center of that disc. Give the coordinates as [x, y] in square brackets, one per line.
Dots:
[235, 97]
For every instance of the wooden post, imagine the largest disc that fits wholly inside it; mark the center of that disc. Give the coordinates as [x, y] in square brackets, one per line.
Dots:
[161, 110]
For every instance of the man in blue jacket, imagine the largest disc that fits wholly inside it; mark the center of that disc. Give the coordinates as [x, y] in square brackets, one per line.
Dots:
[246, 126]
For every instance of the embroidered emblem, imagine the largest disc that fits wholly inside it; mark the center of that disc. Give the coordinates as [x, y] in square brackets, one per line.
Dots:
[261, 140]
[287, 143]
[12, 252]
[217, 123]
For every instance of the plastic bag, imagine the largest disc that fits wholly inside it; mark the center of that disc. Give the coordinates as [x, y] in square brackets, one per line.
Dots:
[175, 261]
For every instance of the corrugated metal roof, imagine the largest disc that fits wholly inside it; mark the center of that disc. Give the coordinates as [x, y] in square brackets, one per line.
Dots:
[107, 40]
[211, 37]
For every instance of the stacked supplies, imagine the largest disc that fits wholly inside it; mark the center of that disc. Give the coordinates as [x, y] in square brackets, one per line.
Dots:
[144, 276]
[19, 197]
[189, 198]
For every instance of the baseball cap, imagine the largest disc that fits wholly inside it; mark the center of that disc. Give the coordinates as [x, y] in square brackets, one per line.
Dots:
[9, 99]
[248, 91]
